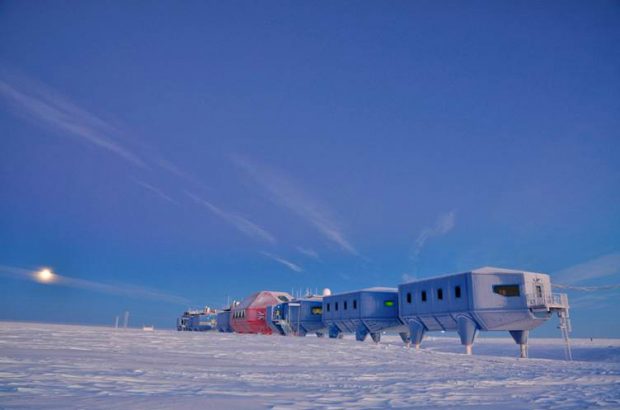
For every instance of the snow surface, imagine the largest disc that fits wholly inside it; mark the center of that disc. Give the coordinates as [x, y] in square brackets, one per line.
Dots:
[62, 366]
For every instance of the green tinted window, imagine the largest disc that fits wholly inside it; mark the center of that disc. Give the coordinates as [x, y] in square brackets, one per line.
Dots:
[388, 303]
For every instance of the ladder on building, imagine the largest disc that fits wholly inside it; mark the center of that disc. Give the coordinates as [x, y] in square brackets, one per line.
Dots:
[565, 325]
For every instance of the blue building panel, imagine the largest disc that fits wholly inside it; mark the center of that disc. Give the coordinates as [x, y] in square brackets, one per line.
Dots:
[298, 317]
[223, 321]
[483, 299]
[197, 321]
[368, 311]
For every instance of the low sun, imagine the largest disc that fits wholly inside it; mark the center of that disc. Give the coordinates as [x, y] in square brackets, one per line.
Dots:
[45, 276]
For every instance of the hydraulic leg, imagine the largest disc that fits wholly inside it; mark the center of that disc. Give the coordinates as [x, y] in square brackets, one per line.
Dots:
[520, 337]
[361, 333]
[467, 330]
[334, 333]
[416, 330]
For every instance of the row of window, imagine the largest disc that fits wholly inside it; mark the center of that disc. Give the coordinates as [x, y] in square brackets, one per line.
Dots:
[239, 314]
[386, 303]
[345, 305]
[504, 290]
[424, 297]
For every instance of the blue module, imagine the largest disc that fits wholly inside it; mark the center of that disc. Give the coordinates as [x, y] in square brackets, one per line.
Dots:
[223, 321]
[363, 312]
[305, 315]
[483, 299]
[197, 320]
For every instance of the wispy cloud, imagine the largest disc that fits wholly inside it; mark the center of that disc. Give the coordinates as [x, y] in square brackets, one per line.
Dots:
[127, 290]
[155, 191]
[282, 191]
[242, 224]
[39, 103]
[308, 252]
[599, 300]
[408, 277]
[600, 267]
[292, 266]
[444, 224]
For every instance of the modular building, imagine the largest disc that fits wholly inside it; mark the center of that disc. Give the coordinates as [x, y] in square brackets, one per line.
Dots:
[298, 317]
[249, 315]
[223, 321]
[482, 299]
[305, 315]
[197, 320]
[363, 312]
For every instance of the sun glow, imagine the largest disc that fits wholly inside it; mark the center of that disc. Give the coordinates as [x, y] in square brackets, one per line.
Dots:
[45, 276]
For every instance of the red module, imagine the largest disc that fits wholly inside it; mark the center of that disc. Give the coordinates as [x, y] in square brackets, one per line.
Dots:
[249, 315]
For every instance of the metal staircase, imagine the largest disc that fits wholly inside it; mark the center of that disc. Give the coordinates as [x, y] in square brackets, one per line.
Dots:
[565, 325]
[558, 303]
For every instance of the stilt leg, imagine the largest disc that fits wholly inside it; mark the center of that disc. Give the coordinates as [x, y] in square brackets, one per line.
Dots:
[361, 333]
[416, 332]
[520, 337]
[334, 333]
[467, 330]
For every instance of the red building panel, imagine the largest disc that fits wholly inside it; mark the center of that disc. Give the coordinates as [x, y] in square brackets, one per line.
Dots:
[249, 315]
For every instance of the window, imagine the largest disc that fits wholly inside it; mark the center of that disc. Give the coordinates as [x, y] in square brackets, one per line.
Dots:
[408, 297]
[440, 294]
[344, 305]
[388, 303]
[317, 310]
[457, 292]
[336, 306]
[283, 298]
[423, 296]
[506, 290]
[539, 291]
[354, 303]
[327, 307]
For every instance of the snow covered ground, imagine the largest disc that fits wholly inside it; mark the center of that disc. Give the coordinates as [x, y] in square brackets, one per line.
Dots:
[61, 366]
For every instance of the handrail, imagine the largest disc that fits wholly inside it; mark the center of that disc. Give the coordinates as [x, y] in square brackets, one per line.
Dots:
[557, 300]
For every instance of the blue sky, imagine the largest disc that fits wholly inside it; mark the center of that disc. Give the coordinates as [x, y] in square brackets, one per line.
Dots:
[190, 152]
